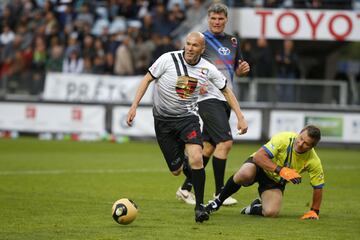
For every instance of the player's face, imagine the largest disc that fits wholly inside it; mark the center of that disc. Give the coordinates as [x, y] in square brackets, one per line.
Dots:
[303, 143]
[217, 22]
[194, 47]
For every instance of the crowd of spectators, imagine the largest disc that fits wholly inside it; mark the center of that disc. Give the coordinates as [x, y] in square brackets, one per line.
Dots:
[119, 37]
[115, 37]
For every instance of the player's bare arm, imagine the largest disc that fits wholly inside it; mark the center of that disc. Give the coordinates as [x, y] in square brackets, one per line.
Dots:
[317, 198]
[144, 84]
[243, 68]
[262, 159]
[242, 125]
[315, 207]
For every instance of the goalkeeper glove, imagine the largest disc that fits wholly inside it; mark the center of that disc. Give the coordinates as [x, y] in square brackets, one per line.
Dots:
[310, 215]
[288, 174]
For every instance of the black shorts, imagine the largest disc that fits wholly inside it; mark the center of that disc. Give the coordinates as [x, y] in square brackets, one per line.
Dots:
[215, 115]
[265, 183]
[173, 134]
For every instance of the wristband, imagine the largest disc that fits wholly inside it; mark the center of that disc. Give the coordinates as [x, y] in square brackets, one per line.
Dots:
[315, 210]
[277, 169]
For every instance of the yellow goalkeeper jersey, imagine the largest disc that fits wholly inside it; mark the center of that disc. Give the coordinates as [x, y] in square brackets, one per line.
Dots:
[281, 152]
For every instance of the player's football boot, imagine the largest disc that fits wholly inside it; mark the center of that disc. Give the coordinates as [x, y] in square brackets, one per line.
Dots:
[229, 201]
[201, 214]
[247, 210]
[186, 196]
[213, 206]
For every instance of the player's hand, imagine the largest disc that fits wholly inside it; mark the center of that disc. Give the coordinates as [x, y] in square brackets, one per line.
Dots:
[290, 175]
[130, 116]
[243, 68]
[242, 126]
[310, 215]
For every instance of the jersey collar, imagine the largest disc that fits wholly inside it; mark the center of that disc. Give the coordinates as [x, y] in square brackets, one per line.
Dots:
[221, 35]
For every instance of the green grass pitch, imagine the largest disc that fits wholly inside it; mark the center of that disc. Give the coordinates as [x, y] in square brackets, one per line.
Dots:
[65, 190]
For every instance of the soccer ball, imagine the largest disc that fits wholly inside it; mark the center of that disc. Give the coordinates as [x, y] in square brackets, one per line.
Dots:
[124, 211]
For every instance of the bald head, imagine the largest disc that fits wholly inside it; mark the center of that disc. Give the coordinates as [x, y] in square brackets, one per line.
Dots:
[197, 36]
[194, 47]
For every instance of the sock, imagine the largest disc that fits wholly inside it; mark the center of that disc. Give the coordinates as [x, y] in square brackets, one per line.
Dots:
[205, 160]
[256, 210]
[198, 179]
[229, 189]
[219, 172]
[187, 185]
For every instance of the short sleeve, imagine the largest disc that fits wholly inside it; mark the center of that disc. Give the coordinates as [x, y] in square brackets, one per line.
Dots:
[315, 170]
[158, 67]
[274, 145]
[217, 78]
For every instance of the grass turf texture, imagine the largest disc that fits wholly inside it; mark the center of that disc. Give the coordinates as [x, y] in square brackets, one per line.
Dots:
[65, 190]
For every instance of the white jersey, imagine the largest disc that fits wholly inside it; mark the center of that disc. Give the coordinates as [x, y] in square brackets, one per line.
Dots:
[177, 84]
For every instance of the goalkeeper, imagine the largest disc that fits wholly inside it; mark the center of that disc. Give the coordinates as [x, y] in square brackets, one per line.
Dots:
[278, 162]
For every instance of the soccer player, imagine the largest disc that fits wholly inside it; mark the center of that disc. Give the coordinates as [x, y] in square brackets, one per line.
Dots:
[279, 161]
[178, 76]
[224, 52]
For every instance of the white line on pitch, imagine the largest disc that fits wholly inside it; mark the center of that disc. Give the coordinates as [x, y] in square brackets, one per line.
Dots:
[84, 171]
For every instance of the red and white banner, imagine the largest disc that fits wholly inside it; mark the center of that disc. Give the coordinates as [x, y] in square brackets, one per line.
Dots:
[333, 25]
[33, 117]
[93, 88]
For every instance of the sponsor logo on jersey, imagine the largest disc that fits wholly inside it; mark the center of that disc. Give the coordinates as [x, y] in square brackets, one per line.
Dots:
[204, 71]
[234, 42]
[185, 86]
[224, 51]
[220, 61]
[192, 135]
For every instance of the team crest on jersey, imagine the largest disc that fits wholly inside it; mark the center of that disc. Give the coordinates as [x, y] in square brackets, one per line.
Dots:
[234, 41]
[224, 51]
[185, 86]
[204, 71]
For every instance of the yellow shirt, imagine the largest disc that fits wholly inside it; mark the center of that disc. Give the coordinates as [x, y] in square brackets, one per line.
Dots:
[279, 148]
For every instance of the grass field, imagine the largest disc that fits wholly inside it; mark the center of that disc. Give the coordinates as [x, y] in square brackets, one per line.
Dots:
[65, 190]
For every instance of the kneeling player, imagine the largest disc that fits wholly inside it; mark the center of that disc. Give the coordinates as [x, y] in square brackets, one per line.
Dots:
[277, 162]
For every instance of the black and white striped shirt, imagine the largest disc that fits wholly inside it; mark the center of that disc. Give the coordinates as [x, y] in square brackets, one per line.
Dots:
[178, 83]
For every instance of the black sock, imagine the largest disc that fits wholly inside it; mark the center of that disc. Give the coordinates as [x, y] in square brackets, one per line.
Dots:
[187, 185]
[187, 168]
[219, 172]
[229, 189]
[256, 210]
[198, 179]
[205, 160]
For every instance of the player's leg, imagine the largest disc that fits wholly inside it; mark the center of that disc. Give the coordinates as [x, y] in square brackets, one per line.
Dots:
[271, 202]
[245, 176]
[185, 189]
[271, 194]
[190, 134]
[194, 152]
[219, 163]
[171, 148]
[216, 130]
[268, 206]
